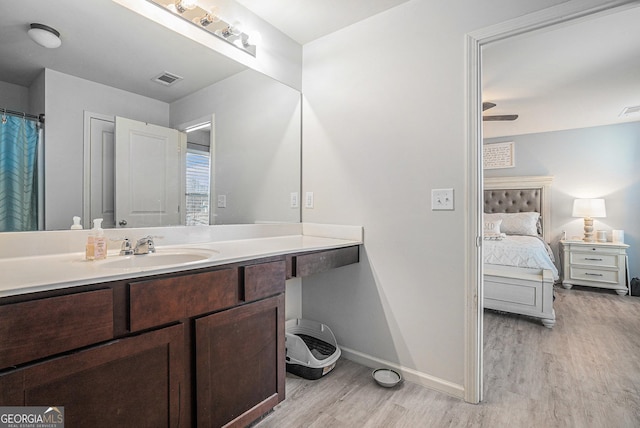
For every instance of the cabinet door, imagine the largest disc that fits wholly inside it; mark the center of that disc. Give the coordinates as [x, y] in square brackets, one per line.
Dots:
[240, 365]
[140, 381]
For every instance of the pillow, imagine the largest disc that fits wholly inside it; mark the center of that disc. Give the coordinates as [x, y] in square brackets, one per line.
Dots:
[516, 223]
[492, 227]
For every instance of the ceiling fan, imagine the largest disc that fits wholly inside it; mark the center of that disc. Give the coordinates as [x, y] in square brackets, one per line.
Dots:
[487, 106]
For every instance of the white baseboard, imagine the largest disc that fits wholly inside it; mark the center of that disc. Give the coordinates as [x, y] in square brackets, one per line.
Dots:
[408, 374]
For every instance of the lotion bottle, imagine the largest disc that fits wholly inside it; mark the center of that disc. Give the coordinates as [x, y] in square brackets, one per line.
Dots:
[100, 242]
[90, 248]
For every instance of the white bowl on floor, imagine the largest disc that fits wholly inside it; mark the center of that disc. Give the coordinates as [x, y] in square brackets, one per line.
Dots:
[386, 377]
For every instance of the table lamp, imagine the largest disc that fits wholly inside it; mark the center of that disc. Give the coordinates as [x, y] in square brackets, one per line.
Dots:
[588, 209]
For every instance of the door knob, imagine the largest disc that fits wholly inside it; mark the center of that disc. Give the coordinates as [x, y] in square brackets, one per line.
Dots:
[122, 222]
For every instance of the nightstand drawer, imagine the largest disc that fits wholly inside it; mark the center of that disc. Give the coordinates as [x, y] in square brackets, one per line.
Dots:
[608, 276]
[595, 258]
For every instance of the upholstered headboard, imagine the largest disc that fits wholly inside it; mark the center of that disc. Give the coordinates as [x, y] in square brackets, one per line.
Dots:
[512, 200]
[520, 194]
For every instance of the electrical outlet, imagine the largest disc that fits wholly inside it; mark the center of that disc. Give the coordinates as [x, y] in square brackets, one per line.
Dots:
[442, 199]
[294, 200]
[222, 201]
[308, 200]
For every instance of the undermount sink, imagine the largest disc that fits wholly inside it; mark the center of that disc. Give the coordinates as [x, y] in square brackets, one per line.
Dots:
[162, 257]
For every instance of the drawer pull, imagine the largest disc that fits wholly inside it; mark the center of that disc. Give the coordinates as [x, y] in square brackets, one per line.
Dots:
[593, 274]
[592, 259]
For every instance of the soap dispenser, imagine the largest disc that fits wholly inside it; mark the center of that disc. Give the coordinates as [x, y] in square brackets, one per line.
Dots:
[100, 242]
[76, 223]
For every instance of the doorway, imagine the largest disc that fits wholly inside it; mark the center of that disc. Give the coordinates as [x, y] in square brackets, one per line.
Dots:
[133, 173]
[475, 41]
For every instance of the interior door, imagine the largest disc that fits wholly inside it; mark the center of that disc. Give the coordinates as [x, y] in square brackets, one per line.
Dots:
[102, 166]
[148, 174]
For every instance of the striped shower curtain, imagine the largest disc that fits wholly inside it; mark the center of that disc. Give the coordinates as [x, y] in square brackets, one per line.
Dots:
[18, 174]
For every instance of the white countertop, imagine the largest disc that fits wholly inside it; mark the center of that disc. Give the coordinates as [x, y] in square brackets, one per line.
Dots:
[28, 274]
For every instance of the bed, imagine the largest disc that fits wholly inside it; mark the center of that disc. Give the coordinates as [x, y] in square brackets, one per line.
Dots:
[516, 280]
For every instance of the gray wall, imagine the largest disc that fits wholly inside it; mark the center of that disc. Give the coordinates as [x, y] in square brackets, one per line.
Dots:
[257, 145]
[14, 97]
[598, 162]
[384, 123]
[66, 99]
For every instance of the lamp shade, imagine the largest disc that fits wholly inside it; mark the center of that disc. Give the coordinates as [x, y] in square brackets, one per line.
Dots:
[589, 208]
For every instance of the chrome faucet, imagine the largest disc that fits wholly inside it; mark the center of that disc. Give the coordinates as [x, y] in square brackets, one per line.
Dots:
[125, 248]
[144, 246]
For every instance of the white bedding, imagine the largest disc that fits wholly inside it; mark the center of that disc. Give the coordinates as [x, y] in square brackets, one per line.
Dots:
[519, 251]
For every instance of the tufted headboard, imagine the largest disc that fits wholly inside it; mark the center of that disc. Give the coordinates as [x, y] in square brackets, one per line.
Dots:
[520, 194]
[512, 200]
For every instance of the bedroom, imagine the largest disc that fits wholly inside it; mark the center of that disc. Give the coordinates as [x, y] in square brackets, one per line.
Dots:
[571, 125]
[569, 85]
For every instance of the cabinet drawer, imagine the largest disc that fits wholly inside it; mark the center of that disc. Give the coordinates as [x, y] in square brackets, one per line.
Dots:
[595, 275]
[161, 301]
[308, 264]
[596, 258]
[264, 279]
[40, 328]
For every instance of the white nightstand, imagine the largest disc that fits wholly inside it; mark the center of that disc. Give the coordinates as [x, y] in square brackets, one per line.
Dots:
[595, 264]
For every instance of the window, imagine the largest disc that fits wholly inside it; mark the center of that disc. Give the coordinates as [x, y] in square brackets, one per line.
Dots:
[198, 183]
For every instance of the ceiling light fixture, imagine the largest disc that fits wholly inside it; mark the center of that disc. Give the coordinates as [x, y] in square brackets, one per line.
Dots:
[210, 21]
[44, 36]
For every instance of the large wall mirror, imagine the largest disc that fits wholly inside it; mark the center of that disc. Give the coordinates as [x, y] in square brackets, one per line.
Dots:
[105, 70]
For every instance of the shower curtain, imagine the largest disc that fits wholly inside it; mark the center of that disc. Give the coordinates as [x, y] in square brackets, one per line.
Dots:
[18, 174]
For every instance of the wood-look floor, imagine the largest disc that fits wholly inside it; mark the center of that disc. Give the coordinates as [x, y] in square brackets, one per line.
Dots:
[585, 372]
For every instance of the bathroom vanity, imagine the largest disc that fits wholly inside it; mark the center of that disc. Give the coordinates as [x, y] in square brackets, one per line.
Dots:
[173, 346]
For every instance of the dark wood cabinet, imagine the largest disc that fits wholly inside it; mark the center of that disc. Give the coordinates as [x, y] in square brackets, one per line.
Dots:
[240, 364]
[139, 381]
[40, 328]
[159, 301]
[322, 261]
[203, 347]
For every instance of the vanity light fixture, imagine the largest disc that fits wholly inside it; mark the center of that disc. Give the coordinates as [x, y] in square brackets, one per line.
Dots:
[44, 35]
[588, 209]
[208, 20]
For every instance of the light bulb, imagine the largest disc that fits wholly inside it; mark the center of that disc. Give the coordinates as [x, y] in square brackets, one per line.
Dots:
[189, 4]
[184, 5]
[207, 19]
[235, 28]
[254, 38]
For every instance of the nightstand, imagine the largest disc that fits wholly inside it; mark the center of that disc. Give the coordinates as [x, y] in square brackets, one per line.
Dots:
[595, 264]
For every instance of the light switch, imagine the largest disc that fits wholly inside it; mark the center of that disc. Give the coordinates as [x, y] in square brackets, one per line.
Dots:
[294, 199]
[442, 199]
[222, 201]
[308, 200]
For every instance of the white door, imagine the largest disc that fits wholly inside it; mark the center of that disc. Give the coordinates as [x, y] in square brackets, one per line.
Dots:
[148, 174]
[101, 150]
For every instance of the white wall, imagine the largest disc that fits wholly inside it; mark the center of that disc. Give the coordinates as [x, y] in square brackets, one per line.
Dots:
[598, 162]
[383, 116]
[257, 145]
[66, 99]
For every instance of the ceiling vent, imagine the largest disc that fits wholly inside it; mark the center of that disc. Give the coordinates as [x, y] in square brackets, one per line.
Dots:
[630, 111]
[166, 78]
